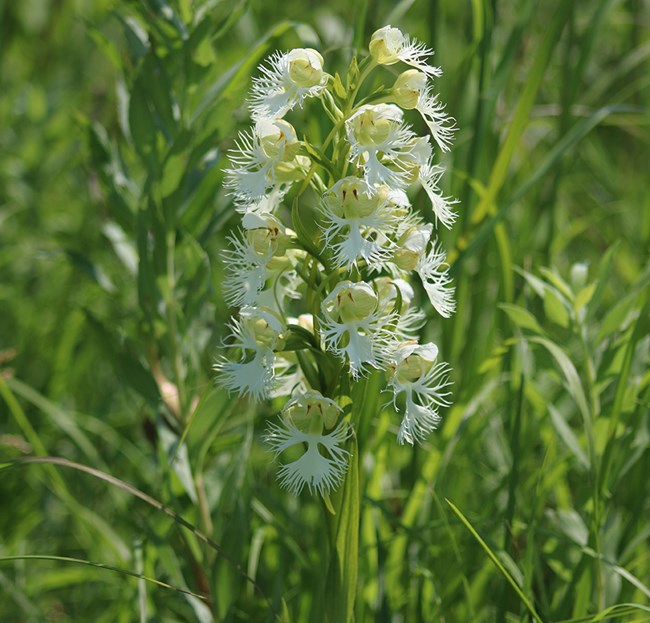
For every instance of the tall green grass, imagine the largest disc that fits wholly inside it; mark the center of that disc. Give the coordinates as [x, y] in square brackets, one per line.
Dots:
[160, 504]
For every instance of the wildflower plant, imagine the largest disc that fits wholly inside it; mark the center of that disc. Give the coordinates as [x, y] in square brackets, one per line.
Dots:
[321, 266]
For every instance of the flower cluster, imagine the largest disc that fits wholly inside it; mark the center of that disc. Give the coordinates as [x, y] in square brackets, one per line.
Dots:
[324, 301]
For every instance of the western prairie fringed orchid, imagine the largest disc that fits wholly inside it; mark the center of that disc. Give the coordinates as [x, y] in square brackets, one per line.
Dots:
[323, 283]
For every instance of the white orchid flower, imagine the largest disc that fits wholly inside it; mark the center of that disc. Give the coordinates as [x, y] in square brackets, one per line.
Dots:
[389, 45]
[415, 373]
[436, 280]
[260, 331]
[286, 82]
[260, 159]
[412, 91]
[356, 329]
[358, 223]
[378, 137]
[258, 251]
[417, 160]
[324, 462]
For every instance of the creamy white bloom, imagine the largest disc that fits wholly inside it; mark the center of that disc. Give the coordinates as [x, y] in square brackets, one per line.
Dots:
[436, 280]
[411, 245]
[356, 329]
[389, 45]
[257, 331]
[412, 91]
[417, 160]
[286, 82]
[358, 223]
[415, 373]
[378, 137]
[259, 160]
[304, 418]
[258, 250]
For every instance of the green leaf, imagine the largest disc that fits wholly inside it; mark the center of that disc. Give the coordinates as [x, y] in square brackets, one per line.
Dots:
[521, 317]
[98, 565]
[141, 124]
[554, 279]
[567, 436]
[499, 172]
[497, 562]
[584, 296]
[570, 373]
[555, 308]
[339, 89]
[176, 454]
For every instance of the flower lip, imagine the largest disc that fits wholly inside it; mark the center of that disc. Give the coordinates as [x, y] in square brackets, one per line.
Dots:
[319, 472]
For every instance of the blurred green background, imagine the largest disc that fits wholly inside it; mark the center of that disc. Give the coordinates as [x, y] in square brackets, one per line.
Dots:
[114, 117]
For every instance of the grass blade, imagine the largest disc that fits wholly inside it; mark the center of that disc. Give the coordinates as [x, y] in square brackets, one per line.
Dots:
[499, 565]
[101, 565]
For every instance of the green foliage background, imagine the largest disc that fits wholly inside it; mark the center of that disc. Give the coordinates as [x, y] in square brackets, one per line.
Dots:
[114, 118]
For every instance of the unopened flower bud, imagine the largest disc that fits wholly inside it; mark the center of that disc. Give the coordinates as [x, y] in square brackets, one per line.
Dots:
[305, 67]
[306, 321]
[407, 88]
[579, 273]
